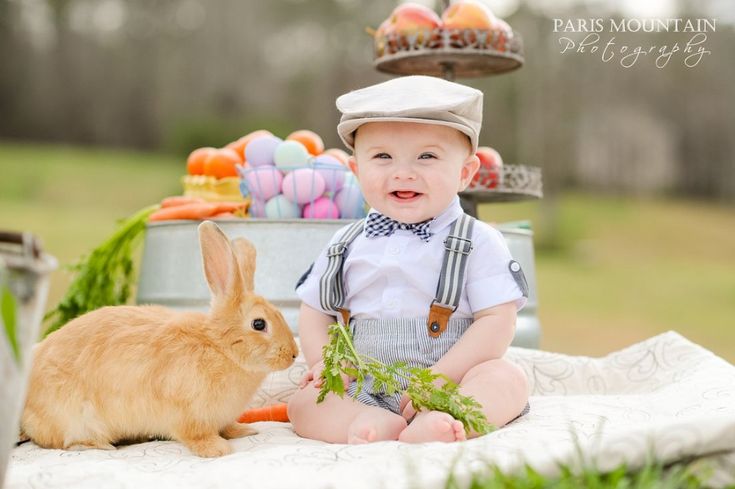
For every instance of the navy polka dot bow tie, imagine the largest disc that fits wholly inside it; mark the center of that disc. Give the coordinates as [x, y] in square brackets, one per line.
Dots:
[380, 225]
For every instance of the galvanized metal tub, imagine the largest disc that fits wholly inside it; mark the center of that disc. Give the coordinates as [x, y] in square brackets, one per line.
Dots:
[171, 271]
[24, 282]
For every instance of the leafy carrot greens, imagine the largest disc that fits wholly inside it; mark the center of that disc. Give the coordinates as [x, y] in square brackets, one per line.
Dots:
[341, 358]
[105, 276]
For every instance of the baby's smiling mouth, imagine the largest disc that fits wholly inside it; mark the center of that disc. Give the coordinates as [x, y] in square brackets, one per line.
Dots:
[405, 194]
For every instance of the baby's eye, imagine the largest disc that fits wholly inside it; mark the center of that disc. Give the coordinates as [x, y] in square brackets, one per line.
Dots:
[427, 156]
[382, 156]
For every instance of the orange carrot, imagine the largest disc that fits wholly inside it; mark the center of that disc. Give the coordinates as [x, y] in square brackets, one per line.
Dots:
[274, 412]
[180, 200]
[231, 206]
[196, 210]
[224, 215]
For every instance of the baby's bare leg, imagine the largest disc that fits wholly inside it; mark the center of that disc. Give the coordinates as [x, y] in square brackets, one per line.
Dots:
[498, 385]
[341, 420]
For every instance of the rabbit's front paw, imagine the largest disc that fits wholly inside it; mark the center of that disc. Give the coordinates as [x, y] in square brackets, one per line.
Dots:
[237, 430]
[213, 446]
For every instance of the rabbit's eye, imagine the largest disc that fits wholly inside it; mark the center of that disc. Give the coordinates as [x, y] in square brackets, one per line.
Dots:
[259, 324]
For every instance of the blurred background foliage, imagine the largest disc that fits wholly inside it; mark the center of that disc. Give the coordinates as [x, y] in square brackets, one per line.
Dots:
[101, 100]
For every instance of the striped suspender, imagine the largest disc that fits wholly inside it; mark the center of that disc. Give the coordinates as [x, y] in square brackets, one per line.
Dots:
[458, 246]
[331, 289]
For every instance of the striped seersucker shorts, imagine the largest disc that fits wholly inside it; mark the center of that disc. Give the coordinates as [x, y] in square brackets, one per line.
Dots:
[406, 340]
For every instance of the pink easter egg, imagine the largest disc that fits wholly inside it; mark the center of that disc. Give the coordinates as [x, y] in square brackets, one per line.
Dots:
[263, 181]
[321, 208]
[303, 185]
[257, 208]
[331, 170]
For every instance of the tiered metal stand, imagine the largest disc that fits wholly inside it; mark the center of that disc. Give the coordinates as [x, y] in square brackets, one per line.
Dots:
[466, 53]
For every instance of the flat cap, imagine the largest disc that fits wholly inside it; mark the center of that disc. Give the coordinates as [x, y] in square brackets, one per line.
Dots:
[422, 99]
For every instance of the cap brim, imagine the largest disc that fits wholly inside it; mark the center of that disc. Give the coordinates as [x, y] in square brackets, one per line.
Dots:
[346, 129]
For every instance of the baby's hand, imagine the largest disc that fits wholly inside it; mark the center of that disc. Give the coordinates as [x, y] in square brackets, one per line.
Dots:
[315, 374]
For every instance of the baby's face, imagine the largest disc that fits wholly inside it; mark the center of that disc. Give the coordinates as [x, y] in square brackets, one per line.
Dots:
[411, 171]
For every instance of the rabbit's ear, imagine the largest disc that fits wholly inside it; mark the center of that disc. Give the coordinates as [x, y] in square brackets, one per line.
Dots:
[245, 253]
[220, 264]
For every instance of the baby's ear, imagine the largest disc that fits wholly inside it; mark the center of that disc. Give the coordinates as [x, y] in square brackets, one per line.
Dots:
[352, 163]
[469, 168]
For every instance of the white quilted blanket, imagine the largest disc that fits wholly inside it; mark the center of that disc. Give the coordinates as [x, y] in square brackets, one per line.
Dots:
[665, 396]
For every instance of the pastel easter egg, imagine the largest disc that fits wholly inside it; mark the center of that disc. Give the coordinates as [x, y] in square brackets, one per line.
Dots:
[291, 154]
[279, 207]
[257, 208]
[331, 170]
[321, 208]
[263, 181]
[350, 202]
[350, 179]
[303, 185]
[260, 151]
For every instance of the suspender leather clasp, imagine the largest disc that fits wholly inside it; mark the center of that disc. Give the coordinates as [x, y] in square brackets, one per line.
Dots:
[345, 316]
[458, 245]
[438, 319]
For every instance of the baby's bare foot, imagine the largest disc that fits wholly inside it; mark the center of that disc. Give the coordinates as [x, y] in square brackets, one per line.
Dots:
[433, 426]
[373, 426]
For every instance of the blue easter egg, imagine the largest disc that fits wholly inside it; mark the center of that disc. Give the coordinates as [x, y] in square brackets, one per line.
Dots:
[279, 207]
[350, 202]
[291, 154]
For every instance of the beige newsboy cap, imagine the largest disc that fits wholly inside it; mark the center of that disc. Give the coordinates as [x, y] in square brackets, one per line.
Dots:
[422, 99]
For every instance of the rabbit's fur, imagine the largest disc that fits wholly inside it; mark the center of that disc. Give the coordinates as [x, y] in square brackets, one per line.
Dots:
[136, 372]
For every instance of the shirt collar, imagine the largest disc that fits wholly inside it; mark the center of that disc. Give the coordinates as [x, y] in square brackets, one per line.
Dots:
[445, 218]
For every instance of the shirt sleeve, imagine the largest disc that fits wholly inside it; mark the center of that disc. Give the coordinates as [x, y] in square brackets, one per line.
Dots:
[308, 287]
[493, 277]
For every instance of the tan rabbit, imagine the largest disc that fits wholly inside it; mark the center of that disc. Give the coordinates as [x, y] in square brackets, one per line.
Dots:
[136, 372]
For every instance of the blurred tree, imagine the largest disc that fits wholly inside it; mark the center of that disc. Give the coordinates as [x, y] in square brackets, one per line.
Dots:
[177, 74]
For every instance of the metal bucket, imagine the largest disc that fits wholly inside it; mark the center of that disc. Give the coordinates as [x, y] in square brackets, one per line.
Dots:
[24, 281]
[171, 271]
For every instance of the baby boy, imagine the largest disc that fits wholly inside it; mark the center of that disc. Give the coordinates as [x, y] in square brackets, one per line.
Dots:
[418, 280]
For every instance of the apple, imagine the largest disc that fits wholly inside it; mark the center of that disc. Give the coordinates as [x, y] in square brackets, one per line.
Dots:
[468, 14]
[407, 19]
[412, 18]
[491, 165]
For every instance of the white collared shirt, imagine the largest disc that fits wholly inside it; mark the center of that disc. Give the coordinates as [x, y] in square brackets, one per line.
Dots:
[396, 276]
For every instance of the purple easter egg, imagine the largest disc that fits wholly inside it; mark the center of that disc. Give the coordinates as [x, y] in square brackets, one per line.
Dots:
[321, 208]
[331, 170]
[303, 185]
[257, 208]
[350, 202]
[260, 151]
[263, 181]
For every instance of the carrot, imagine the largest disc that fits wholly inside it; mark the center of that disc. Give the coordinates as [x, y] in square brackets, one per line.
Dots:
[224, 215]
[274, 412]
[196, 210]
[176, 200]
[231, 206]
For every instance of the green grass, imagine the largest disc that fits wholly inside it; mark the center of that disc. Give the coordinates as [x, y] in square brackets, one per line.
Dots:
[611, 271]
[651, 476]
